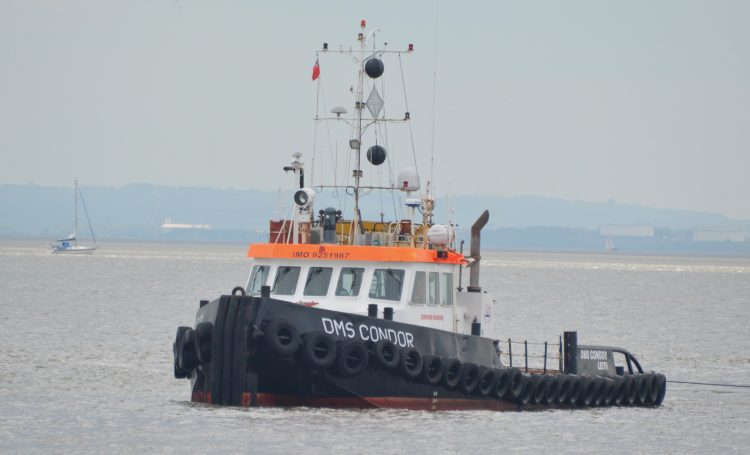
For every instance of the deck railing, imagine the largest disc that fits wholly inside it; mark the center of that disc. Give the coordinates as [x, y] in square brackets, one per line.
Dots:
[543, 355]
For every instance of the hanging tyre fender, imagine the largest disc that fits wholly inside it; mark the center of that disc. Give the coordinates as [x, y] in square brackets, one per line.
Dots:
[588, 391]
[432, 369]
[487, 380]
[642, 387]
[452, 370]
[515, 384]
[469, 378]
[553, 389]
[610, 392]
[502, 383]
[653, 388]
[629, 390]
[179, 373]
[619, 383]
[352, 358]
[318, 350]
[601, 391]
[281, 337]
[387, 354]
[662, 381]
[576, 389]
[527, 390]
[187, 358]
[411, 363]
[564, 383]
[203, 336]
[540, 389]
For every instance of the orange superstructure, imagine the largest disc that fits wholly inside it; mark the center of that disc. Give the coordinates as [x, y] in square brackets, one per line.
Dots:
[352, 253]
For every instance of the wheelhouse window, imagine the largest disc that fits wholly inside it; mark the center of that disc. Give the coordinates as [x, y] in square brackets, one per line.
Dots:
[286, 280]
[447, 290]
[318, 279]
[350, 280]
[258, 278]
[418, 292]
[433, 286]
[387, 284]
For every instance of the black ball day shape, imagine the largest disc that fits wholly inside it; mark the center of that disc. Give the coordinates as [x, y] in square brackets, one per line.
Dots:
[376, 155]
[374, 67]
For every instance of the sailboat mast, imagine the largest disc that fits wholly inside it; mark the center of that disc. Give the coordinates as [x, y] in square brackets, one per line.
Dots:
[75, 212]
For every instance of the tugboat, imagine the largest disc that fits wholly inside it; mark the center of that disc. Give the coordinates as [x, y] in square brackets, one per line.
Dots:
[352, 313]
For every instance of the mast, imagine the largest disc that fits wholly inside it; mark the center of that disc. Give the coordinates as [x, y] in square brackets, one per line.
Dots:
[75, 212]
[359, 105]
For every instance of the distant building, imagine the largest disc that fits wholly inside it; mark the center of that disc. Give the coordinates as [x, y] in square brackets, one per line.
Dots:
[719, 234]
[626, 230]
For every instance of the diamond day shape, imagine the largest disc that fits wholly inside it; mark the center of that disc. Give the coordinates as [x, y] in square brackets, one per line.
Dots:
[374, 103]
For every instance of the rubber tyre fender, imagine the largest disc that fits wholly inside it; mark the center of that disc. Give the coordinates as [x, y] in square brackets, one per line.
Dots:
[487, 379]
[643, 389]
[318, 350]
[588, 391]
[601, 391]
[432, 369]
[203, 338]
[653, 388]
[610, 392]
[576, 389]
[502, 383]
[411, 363]
[619, 386]
[527, 390]
[515, 384]
[352, 358]
[553, 389]
[452, 369]
[540, 389]
[187, 358]
[629, 390]
[469, 378]
[564, 384]
[662, 381]
[179, 373]
[281, 337]
[387, 354]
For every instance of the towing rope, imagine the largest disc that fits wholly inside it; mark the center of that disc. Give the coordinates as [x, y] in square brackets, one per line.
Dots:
[711, 383]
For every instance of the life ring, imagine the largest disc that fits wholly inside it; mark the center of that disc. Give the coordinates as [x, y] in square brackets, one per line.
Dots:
[469, 378]
[238, 290]
[588, 391]
[502, 383]
[432, 369]
[452, 370]
[486, 381]
[527, 390]
[553, 389]
[629, 390]
[387, 353]
[564, 383]
[662, 381]
[203, 335]
[318, 350]
[179, 373]
[601, 391]
[576, 389]
[411, 363]
[187, 359]
[643, 388]
[515, 384]
[540, 389]
[282, 337]
[352, 358]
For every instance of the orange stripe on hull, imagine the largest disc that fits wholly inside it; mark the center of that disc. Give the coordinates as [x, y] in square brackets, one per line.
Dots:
[350, 253]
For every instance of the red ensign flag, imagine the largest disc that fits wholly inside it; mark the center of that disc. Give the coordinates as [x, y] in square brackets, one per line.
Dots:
[316, 70]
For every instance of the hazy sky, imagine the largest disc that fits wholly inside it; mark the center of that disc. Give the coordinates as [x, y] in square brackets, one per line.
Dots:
[646, 102]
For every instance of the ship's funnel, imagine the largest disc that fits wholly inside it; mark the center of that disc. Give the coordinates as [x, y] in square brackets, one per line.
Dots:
[476, 230]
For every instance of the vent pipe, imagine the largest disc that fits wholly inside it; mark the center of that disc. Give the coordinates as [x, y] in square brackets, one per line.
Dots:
[476, 230]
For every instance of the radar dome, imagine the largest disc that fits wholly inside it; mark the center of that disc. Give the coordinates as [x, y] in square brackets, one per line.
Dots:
[408, 179]
[376, 155]
[374, 67]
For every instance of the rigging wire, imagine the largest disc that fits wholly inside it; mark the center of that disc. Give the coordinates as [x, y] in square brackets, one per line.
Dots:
[411, 132]
[434, 94]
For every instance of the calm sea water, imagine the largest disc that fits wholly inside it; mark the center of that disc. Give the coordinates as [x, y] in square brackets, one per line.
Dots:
[86, 362]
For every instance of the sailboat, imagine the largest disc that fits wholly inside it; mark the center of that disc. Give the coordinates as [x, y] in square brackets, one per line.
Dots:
[69, 244]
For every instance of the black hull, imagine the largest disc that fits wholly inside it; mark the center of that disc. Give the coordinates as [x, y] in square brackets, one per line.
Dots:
[235, 364]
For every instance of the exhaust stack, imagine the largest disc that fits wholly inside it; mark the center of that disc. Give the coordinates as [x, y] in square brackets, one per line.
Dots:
[476, 229]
